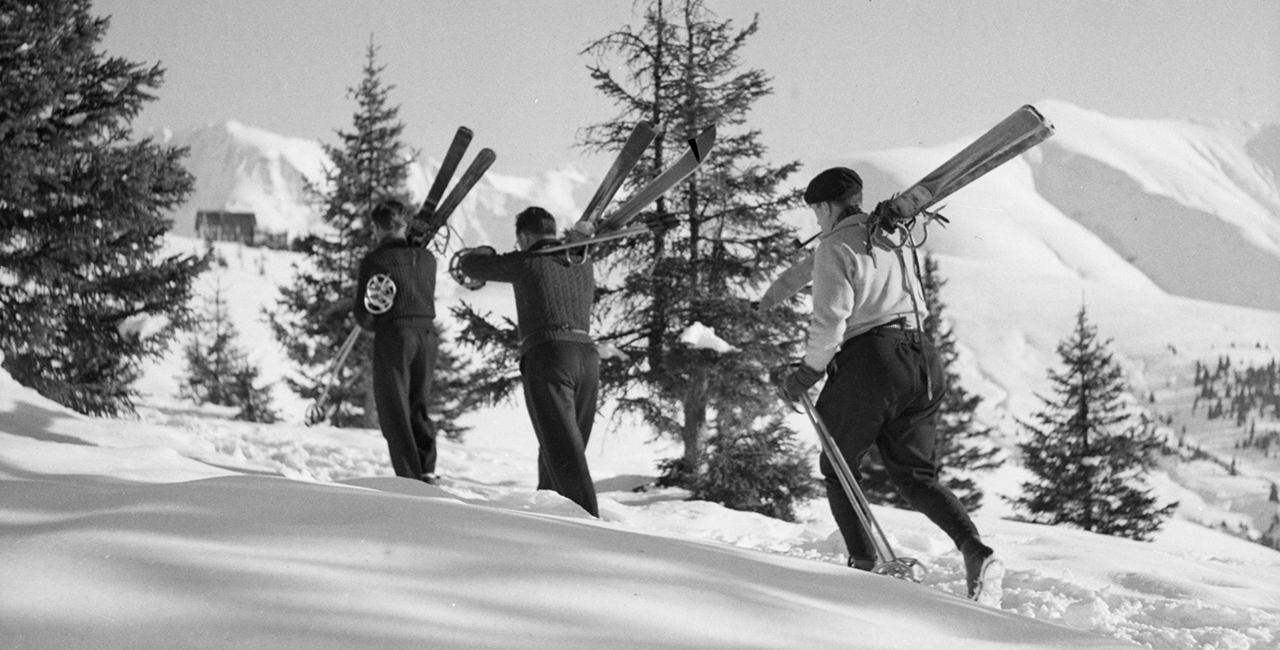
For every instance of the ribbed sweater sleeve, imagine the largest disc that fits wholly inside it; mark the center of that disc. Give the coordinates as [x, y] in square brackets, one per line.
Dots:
[834, 265]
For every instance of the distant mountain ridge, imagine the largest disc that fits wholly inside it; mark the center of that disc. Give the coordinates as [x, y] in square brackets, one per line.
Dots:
[1193, 207]
[243, 168]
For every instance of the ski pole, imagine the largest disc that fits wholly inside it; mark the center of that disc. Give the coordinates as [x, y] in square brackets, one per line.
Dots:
[317, 412]
[903, 568]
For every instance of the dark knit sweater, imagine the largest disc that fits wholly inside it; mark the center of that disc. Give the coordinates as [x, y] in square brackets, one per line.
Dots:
[553, 292]
[413, 270]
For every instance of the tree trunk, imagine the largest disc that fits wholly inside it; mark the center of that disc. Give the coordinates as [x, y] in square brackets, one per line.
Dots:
[692, 433]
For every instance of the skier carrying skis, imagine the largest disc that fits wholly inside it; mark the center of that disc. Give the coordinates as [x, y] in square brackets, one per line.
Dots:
[885, 379]
[395, 298]
[559, 365]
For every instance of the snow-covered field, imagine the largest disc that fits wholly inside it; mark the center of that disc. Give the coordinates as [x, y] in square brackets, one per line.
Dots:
[184, 529]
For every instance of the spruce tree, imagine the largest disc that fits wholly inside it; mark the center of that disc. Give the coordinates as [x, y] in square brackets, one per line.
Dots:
[963, 446]
[453, 391]
[218, 369]
[314, 315]
[314, 312]
[682, 71]
[1088, 454]
[86, 291]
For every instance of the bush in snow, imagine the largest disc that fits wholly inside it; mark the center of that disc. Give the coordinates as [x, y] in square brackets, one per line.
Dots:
[760, 470]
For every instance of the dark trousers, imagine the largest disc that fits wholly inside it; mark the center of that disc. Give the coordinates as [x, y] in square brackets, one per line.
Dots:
[561, 380]
[877, 393]
[404, 362]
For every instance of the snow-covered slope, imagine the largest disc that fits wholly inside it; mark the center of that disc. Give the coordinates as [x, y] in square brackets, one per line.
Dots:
[187, 530]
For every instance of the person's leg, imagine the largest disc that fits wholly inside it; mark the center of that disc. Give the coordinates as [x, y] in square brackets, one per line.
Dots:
[391, 397]
[422, 372]
[908, 444]
[909, 448]
[860, 394]
[549, 375]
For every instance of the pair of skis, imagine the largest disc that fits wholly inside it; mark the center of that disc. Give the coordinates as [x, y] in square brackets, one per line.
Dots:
[614, 226]
[432, 216]
[1019, 132]
[435, 213]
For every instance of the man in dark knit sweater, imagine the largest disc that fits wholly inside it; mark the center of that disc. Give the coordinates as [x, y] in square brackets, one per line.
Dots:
[395, 298]
[559, 366]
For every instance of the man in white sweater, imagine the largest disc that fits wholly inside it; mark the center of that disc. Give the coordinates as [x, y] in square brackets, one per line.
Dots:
[885, 379]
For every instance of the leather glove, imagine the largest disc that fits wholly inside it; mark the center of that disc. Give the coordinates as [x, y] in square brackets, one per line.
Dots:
[886, 209]
[659, 223]
[801, 379]
[580, 231]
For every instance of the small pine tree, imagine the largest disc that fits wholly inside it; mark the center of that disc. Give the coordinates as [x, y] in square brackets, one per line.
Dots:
[1087, 454]
[218, 370]
[314, 311]
[963, 446]
[86, 293]
[314, 315]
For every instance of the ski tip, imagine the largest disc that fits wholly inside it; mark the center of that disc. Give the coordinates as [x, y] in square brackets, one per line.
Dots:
[466, 130]
[696, 144]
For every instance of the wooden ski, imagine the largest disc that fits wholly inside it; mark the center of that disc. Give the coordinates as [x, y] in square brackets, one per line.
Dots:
[1019, 132]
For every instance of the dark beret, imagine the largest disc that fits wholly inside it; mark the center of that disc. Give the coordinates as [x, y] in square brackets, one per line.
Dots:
[832, 185]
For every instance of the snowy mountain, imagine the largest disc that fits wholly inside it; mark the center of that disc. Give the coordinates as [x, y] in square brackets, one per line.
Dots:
[242, 168]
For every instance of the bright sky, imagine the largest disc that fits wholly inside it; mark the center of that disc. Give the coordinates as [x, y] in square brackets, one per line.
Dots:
[849, 75]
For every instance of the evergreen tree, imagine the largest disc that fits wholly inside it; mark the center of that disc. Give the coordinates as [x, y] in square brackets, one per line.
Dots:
[86, 292]
[218, 369]
[453, 391]
[683, 72]
[1088, 455]
[963, 446]
[314, 315]
[314, 311]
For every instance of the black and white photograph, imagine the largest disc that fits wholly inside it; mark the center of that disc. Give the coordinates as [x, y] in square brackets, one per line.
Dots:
[661, 324]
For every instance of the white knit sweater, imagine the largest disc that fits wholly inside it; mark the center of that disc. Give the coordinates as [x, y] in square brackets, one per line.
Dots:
[855, 290]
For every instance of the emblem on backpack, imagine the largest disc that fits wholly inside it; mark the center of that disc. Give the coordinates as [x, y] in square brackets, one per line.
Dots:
[379, 294]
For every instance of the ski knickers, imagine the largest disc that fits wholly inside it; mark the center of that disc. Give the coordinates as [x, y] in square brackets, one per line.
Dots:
[884, 388]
